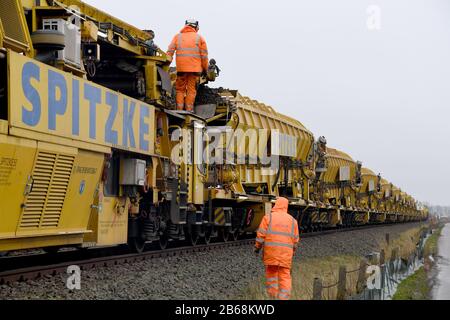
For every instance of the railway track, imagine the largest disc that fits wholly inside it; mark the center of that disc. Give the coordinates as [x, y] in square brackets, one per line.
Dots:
[25, 268]
[35, 272]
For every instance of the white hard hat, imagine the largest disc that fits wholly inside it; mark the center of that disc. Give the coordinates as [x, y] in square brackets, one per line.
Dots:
[192, 22]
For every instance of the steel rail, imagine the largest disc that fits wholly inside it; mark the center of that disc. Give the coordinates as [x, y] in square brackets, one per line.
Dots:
[35, 272]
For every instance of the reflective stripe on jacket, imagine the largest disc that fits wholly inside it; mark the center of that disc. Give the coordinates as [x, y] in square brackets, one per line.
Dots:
[191, 51]
[278, 234]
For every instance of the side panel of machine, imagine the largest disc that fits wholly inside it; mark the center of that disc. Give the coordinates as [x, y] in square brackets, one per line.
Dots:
[339, 171]
[108, 220]
[46, 100]
[50, 188]
[83, 187]
[260, 134]
[16, 162]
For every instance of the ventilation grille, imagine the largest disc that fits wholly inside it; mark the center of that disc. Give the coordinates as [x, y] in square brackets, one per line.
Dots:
[11, 16]
[44, 204]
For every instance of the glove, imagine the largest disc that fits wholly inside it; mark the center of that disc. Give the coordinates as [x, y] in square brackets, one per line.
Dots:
[257, 250]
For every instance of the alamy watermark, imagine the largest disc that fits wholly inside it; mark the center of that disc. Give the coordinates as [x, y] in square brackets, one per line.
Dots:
[225, 145]
[374, 279]
[375, 275]
[74, 279]
[373, 18]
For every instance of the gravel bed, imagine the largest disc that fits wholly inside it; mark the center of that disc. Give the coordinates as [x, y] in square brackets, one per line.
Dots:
[222, 274]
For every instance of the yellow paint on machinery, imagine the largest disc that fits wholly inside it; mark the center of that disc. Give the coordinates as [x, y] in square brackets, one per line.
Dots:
[188, 148]
[101, 16]
[402, 216]
[335, 218]
[256, 127]
[368, 190]
[3, 125]
[120, 35]
[57, 185]
[77, 109]
[2, 34]
[258, 211]
[108, 220]
[386, 190]
[16, 162]
[391, 216]
[341, 169]
[53, 116]
[219, 216]
[14, 32]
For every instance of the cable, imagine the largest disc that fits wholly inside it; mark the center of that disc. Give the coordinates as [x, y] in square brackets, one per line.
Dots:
[91, 68]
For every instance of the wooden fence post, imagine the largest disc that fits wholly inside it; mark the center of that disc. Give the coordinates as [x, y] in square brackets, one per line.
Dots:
[383, 284]
[382, 257]
[387, 238]
[317, 289]
[342, 283]
[394, 256]
[361, 284]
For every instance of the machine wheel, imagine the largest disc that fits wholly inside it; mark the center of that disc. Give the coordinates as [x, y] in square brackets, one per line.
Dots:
[193, 238]
[224, 235]
[163, 241]
[207, 237]
[137, 244]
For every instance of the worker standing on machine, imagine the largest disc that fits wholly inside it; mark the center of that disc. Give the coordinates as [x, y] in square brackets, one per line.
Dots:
[192, 61]
[278, 235]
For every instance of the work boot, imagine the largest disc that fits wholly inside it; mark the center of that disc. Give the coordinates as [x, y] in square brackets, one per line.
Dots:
[190, 109]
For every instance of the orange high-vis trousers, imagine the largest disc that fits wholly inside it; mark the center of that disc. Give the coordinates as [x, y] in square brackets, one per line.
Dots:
[278, 282]
[186, 86]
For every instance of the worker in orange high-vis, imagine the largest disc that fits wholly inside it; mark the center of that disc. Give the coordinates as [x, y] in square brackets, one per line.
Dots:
[278, 236]
[192, 61]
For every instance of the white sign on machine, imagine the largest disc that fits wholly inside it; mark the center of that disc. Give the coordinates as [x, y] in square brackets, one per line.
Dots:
[344, 173]
[283, 144]
[371, 185]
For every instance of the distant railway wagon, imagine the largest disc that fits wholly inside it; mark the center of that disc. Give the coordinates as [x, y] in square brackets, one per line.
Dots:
[93, 152]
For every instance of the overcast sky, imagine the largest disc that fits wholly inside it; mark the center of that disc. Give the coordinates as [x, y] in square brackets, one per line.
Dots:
[380, 94]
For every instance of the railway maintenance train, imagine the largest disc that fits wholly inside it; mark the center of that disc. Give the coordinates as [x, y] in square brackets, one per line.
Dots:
[93, 154]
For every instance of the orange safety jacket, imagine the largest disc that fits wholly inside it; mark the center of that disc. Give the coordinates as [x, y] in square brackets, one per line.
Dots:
[191, 50]
[278, 235]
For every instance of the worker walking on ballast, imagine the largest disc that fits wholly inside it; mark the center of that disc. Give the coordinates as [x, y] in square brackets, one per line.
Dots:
[192, 61]
[278, 237]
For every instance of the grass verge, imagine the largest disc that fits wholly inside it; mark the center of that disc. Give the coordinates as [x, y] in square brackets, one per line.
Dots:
[416, 286]
[431, 247]
[303, 274]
